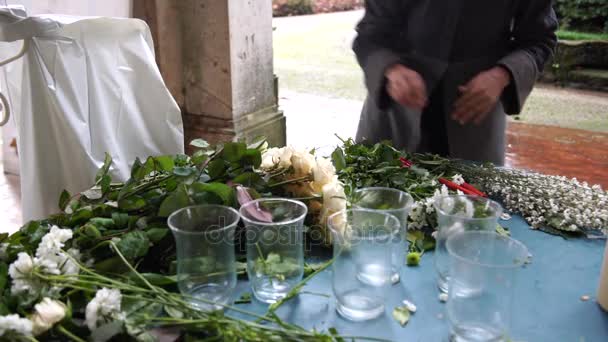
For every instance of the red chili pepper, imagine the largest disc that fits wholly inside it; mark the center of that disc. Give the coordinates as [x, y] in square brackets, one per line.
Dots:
[474, 189]
[405, 163]
[454, 186]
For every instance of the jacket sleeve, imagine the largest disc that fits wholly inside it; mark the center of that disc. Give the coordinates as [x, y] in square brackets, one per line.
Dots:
[534, 41]
[374, 45]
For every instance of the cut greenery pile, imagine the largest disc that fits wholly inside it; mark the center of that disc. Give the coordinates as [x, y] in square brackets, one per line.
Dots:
[105, 266]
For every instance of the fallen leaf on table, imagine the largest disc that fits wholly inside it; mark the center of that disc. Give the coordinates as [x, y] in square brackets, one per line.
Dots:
[402, 315]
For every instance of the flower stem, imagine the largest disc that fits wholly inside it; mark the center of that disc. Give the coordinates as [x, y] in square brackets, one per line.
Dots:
[68, 334]
[294, 291]
[289, 181]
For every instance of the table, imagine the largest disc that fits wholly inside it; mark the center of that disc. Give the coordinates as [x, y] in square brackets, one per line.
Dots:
[547, 301]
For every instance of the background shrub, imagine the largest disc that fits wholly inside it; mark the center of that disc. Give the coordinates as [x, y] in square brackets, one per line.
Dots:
[583, 15]
[283, 8]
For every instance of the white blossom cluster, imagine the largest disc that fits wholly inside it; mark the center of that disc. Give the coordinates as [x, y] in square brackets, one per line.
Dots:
[105, 307]
[323, 181]
[50, 259]
[13, 326]
[548, 201]
[423, 211]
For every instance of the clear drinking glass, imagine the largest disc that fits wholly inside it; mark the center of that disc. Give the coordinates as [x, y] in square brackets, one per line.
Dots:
[390, 201]
[483, 269]
[362, 261]
[275, 248]
[456, 214]
[206, 270]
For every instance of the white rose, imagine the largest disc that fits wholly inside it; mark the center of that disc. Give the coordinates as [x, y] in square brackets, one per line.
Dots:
[324, 173]
[284, 157]
[302, 162]
[334, 198]
[269, 157]
[46, 314]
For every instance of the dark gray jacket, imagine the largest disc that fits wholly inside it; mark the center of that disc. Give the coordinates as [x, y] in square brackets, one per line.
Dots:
[448, 42]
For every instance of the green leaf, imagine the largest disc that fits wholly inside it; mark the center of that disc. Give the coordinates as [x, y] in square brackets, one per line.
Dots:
[222, 190]
[165, 163]
[111, 265]
[173, 312]
[102, 222]
[234, 151]
[180, 159]
[134, 245]
[105, 168]
[3, 276]
[140, 171]
[249, 179]
[177, 200]
[334, 333]
[252, 158]
[90, 231]
[199, 157]
[157, 234]
[216, 168]
[121, 220]
[64, 200]
[105, 183]
[105, 332]
[338, 158]
[3, 236]
[200, 143]
[93, 193]
[257, 143]
[402, 315]
[183, 171]
[81, 215]
[132, 203]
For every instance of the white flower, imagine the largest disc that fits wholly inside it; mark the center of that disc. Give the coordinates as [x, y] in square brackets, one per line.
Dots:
[46, 314]
[14, 324]
[302, 162]
[276, 157]
[103, 307]
[21, 271]
[457, 178]
[53, 242]
[324, 173]
[52, 259]
[334, 198]
[3, 248]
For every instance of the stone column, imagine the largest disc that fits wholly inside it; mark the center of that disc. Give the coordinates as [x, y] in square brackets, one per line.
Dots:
[216, 57]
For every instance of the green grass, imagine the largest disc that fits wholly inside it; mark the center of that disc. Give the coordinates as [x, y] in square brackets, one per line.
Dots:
[313, 55]
[574, 35]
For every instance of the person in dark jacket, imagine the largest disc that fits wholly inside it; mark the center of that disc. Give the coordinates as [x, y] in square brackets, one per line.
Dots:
[442, 74]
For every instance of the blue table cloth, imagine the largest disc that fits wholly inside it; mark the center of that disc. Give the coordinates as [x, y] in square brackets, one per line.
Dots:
[547, 301]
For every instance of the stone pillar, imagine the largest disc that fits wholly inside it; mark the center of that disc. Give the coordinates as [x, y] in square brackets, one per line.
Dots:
[216, 57]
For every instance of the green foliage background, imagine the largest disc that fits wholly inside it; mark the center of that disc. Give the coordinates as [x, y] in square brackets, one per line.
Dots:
[583, 15]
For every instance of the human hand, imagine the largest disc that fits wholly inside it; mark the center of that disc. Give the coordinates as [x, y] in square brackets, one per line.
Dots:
[406, 86]
[480, 95]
